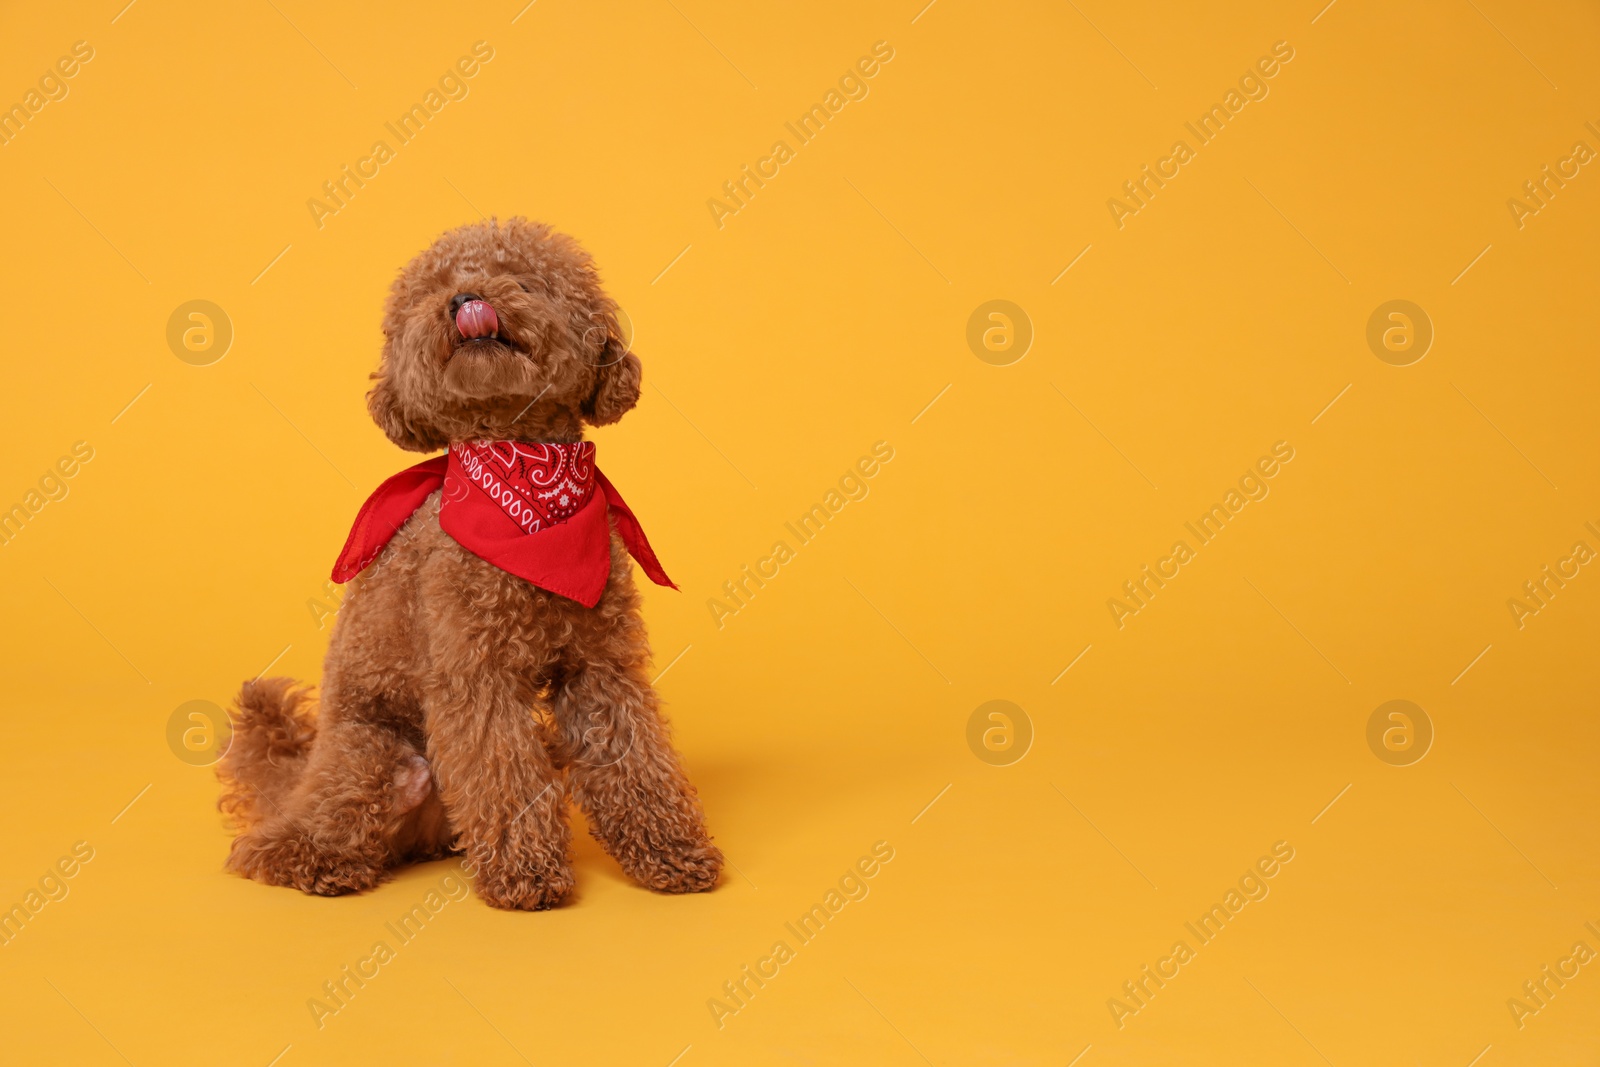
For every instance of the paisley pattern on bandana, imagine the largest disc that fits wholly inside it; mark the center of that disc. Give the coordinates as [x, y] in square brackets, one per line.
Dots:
[539, 510]
[536, 485]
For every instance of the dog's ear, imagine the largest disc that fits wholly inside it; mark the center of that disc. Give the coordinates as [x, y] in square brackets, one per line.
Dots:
[384, 406]
[616, 384]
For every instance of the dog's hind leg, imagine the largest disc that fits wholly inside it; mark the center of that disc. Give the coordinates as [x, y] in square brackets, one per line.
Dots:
[355, 811]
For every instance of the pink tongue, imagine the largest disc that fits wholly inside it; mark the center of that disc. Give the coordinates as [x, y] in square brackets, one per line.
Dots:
[477, 319]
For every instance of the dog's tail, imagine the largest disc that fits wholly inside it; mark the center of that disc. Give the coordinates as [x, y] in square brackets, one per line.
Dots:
[274, 726]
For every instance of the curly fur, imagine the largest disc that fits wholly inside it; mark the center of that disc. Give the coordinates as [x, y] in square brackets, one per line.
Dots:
[516, 697]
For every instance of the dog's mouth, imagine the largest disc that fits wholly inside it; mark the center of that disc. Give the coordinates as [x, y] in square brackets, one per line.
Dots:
[482, 346]
[485, 361]
[479, 331]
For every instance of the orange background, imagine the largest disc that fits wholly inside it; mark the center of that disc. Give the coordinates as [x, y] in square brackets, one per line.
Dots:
[832, 711]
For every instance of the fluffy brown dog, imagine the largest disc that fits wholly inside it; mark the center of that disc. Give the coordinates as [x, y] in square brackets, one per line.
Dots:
[515, 695]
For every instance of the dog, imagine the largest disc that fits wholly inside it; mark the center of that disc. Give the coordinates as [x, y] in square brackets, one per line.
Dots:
[461, 702]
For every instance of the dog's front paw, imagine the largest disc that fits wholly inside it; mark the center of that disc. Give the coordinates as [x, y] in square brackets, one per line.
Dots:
[292, 860]
[688, 868]
[529, 887]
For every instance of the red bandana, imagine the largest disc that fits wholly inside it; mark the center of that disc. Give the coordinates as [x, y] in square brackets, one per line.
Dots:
[539, 511]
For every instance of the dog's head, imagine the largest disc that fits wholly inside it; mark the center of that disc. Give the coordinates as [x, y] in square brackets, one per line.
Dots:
[500, 333]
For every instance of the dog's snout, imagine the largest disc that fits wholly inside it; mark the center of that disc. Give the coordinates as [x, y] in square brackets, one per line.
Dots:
[459, 299]
[476, 318]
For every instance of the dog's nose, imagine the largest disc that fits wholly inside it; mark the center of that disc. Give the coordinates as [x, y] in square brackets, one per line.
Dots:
[459, 299]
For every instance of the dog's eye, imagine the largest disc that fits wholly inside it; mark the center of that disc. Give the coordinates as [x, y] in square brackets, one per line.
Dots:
[524, 287]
